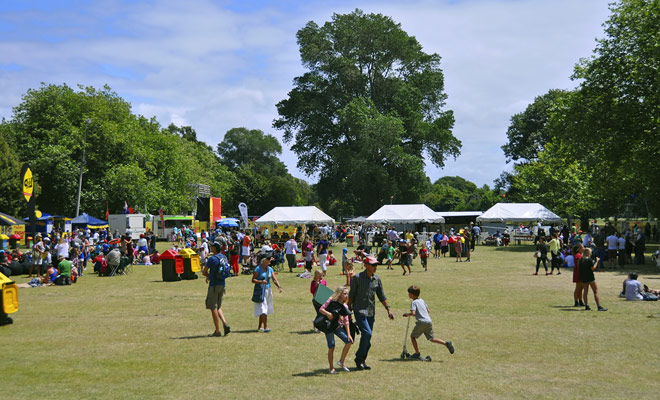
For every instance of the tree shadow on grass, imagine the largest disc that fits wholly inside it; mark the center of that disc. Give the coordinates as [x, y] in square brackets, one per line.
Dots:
[316, 372]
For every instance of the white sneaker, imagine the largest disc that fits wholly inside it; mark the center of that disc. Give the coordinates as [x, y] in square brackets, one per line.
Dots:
[343, 366]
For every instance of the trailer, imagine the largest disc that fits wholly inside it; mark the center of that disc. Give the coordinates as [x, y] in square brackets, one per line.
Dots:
[132, 224]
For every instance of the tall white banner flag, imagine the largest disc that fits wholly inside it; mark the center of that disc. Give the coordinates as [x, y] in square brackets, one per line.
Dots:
[242, 207]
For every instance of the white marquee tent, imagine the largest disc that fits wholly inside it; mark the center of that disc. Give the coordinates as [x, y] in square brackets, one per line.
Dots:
[518, 212]
[294, 216]
[405, 214]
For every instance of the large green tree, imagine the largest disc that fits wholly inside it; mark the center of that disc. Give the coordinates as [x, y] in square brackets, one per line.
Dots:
[453, 193]
[613, 120]
[529, 132]
[242, 146]
[365, 74]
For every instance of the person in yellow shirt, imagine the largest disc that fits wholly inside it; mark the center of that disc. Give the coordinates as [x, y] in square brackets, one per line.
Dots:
[555, 248]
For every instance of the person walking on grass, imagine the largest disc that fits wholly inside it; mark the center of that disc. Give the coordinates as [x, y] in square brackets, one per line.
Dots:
[541, 255]
[335, 308]
[424, 325]
[365, 286]
[555, 248]
[458, 246]
[587, 267]
[262, 276]
[214, 269]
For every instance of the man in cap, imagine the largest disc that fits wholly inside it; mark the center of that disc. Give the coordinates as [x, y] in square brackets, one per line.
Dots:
[365, 286]
[213, 271]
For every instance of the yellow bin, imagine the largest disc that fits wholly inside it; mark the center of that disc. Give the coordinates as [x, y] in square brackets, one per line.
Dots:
[9, 299]
[191, 264]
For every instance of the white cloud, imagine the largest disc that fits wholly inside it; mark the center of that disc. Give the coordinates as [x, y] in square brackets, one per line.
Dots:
[200, 64]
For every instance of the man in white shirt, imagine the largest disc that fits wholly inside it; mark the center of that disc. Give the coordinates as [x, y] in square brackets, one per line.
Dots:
[612, 244]
[622, 250]
[290, 251]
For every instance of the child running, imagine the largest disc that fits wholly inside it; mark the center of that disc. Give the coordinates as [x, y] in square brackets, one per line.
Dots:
[424, 256]
[420, 311]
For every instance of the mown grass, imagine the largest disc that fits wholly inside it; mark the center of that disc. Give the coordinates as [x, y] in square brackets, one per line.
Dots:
[516, 336]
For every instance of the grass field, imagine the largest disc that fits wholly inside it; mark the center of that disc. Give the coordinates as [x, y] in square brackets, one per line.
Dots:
[516, 336]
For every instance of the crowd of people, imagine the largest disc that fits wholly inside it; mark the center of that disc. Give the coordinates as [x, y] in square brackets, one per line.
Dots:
[596, 248]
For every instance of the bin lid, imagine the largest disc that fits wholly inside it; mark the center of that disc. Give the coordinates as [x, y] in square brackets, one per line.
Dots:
[4, 280]
[3, 237]
[169, 255]
[187, 253]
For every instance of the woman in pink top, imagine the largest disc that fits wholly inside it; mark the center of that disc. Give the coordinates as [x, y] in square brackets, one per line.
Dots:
[313, 287]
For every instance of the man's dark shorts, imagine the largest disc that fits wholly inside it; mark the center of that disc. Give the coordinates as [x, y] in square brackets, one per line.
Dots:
[214, 297]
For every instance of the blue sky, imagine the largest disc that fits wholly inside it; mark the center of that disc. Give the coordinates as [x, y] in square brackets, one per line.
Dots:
[215, 65]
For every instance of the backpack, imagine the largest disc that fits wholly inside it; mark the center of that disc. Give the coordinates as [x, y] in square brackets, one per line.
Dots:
[223, 271]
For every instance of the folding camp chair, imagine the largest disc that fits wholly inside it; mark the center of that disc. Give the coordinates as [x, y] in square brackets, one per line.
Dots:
[112, 269]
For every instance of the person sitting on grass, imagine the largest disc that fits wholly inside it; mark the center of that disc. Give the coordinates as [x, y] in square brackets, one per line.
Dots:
[632, 290]
[424, 325]
[51, 276]
[64, 267]
[331, 258]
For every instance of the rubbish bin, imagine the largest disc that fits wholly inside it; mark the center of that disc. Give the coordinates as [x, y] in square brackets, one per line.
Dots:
[172, 265]
[13, 241]
[8, 299]
[3, 241]
[190, 264]
[29, 242]
[349, 240]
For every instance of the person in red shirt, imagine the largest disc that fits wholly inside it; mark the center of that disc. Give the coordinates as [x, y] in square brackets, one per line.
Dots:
[423, 256]
[245, 249]
[579, 287]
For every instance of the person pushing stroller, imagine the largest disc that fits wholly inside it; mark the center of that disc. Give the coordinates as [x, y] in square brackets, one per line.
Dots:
[424, 325]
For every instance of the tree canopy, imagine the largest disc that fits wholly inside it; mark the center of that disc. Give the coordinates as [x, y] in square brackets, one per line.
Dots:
[128, 158]
[600, 143]
[367, 111]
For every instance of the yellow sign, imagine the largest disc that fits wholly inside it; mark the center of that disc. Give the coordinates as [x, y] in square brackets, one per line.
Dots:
[28, 185]
[37, 214]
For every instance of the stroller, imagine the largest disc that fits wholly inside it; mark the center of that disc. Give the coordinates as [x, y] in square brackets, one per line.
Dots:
[251, 265]
[277, 263]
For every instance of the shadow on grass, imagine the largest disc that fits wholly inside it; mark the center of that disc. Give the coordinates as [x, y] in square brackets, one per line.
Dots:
[317, 372]
[568, 308]
[399, 359]
[307, 332]
[193, 337]
[517, 249]
[207, 336]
